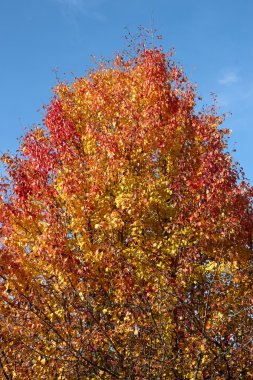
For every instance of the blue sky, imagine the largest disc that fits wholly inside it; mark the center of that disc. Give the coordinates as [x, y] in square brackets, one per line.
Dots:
[212, 38]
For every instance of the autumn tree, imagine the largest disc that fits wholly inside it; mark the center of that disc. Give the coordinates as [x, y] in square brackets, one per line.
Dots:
[126, 230]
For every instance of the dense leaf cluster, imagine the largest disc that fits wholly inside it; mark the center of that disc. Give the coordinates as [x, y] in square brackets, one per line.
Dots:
[126, 235]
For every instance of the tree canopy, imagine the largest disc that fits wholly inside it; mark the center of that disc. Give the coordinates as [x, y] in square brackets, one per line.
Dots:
[126, 234]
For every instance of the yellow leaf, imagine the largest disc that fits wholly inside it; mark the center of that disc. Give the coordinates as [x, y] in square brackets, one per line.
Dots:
[43, 361]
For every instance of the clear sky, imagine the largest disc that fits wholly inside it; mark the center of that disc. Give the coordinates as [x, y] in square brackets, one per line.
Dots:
[213, 41]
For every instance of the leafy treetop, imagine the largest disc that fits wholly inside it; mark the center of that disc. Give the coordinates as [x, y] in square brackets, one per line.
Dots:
[126, 230]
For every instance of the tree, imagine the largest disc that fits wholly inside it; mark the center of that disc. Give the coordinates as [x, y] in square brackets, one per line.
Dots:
[126, 230]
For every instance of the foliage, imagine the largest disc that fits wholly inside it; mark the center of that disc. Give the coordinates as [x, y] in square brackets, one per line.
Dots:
[126, 235]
